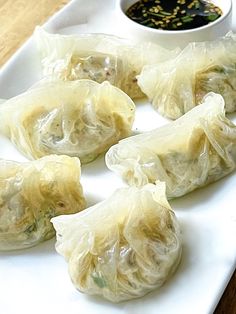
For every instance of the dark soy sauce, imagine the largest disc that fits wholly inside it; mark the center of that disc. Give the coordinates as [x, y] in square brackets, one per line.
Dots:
[174, 14]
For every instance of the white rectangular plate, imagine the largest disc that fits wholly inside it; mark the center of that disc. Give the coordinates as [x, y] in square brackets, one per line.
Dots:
[36, 280]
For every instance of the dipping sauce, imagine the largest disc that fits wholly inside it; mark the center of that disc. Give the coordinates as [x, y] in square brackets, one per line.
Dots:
[173, 14]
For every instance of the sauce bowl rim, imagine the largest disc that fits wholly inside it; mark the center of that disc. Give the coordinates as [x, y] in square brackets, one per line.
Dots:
[120, 4]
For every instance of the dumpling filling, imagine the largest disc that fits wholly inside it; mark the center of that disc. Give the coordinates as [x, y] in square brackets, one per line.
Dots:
[31, 193]
[123, 247]
[98, 57]
[176, 86]
[80, 118]
[191, 152]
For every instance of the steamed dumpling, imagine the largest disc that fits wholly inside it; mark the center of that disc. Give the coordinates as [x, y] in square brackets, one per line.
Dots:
[98, 57]
[123, 247]
[81, 118]
[197, 149]
[176, 86]
[31, 193]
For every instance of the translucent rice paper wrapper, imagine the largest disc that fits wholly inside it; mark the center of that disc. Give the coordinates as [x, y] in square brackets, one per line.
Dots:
[31, 193]
[123, 247]
[98, 57]
[191, 152]
[81, 119]
[176, 86]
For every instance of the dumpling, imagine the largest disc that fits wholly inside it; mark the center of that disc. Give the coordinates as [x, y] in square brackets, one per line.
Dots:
[197, 149]
[98, 57]
[80, 118]
[123, 247]
[31, 193]
[176, 86]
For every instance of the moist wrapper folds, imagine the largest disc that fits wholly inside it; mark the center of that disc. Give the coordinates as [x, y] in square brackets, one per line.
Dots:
[81, 118]
[31, 193]
[191, 152]
[123, 247]
[179, 84]
[99, 57]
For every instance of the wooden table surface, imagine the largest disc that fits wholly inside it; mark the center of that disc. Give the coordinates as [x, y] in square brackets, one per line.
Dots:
[17, 21]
